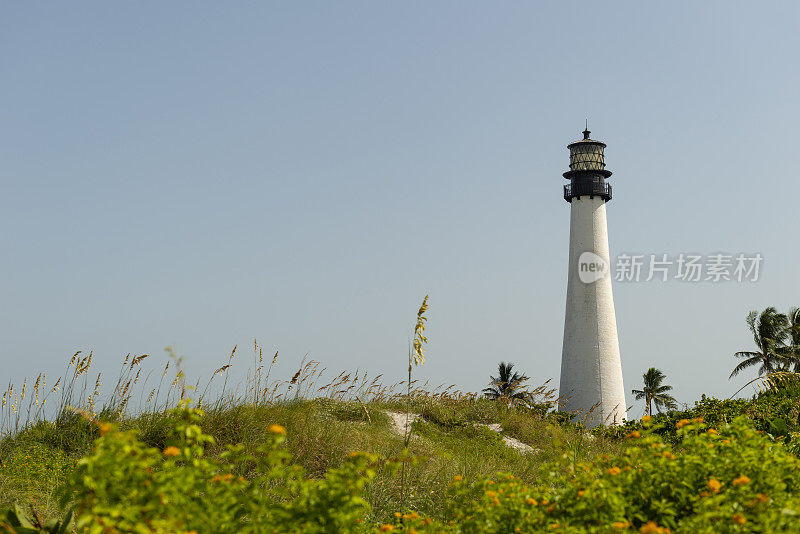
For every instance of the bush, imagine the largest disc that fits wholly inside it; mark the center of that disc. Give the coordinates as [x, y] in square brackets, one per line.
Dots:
[731, 480]
[775, 411]
[127, 486]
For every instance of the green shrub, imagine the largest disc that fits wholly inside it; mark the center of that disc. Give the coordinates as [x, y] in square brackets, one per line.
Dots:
[70, 432]
[775, 411]
[123, 485]
[30, 472]
[16, 521]
[722, 478]
[729, 480]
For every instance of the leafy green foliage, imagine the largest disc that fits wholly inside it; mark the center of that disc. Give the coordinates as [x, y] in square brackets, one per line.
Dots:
[30, 472]
[721, 477]
[17, 522]
[654, 391]
[126, 486]
[770, 330]
[775, 411]
[508, 385]
[728, 480]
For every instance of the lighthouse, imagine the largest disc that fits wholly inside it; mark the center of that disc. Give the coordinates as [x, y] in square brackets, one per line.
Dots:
[591, 370]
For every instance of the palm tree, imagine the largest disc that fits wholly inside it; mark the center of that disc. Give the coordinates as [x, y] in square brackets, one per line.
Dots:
[770, 330]
[509, 386]
[793, 333]
[654, 392]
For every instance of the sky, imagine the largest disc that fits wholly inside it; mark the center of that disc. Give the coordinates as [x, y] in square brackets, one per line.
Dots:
[200, 175]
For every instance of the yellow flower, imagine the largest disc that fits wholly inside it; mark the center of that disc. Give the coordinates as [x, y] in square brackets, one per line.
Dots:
[458, 478]
[278, 429]
[222, 478]
[491, 494]
[713, 431]
[581, 493]
[387, 528]
[635, 434]
[762, 497]
[682, 423]
[651, 527]
[744, 479]
[646, 419]
[172, 451]
[739, 519]
[668, 455]
[398, 515]
[554, 525]
[104, 428]
[714, 485]
[614, 471]
[698, 419]
[531, 501]
[620, 524]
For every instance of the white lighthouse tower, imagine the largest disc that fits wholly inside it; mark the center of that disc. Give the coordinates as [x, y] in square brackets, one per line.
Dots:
[591, 371]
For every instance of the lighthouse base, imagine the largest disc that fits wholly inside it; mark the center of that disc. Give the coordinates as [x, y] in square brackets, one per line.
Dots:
[591, 371]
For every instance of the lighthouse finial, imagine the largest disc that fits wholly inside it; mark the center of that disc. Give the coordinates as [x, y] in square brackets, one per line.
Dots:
[586, 132]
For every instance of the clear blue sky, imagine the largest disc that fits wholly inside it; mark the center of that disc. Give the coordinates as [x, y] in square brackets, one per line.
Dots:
[199, 175]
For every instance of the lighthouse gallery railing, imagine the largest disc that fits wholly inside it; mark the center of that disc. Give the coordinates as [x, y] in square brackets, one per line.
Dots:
[591, 189]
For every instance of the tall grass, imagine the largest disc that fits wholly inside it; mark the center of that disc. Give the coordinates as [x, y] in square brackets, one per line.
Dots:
[141, 391]
[45, 428]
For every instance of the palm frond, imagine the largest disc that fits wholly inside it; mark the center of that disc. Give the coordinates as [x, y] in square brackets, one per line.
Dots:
[770, 381]
[508, 384]
[750, 362]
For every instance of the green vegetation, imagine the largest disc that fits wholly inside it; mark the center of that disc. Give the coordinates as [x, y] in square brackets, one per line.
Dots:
[777, 337]
[321, 435]
[655, 392]
[726, 480]
[308, 476]
[307, 455]
[774, 411]
[509, 386]
[416, 356]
